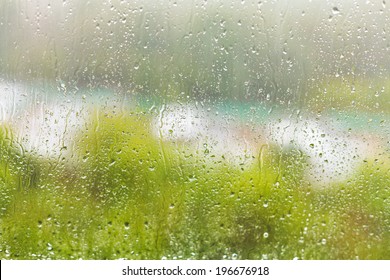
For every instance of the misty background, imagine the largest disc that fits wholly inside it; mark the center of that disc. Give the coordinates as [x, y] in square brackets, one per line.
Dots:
[285, 53]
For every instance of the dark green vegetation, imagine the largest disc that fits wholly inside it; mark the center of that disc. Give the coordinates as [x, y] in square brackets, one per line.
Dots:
[127, 194]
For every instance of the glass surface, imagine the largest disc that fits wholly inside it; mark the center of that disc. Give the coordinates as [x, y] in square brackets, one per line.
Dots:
[194, 129]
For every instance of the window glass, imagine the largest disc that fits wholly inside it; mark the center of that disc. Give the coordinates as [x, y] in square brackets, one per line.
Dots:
[194, 129]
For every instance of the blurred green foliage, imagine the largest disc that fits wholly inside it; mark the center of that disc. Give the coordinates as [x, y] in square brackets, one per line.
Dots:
[18, 170]
[355, 96]
[129, 194]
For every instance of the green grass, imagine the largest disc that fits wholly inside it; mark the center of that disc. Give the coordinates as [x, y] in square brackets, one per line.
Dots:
[127, 194]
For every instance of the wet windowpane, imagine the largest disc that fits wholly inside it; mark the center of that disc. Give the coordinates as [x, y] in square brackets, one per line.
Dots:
[194, 129]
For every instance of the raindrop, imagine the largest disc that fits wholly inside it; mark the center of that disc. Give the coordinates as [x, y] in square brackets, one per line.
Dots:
[335, 10]
[192, 178]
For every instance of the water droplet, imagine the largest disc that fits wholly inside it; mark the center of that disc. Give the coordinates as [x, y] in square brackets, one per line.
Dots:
[192, 178]
[335, 10]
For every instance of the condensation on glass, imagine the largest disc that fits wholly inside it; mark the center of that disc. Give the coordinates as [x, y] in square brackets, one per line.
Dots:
[194, 129]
